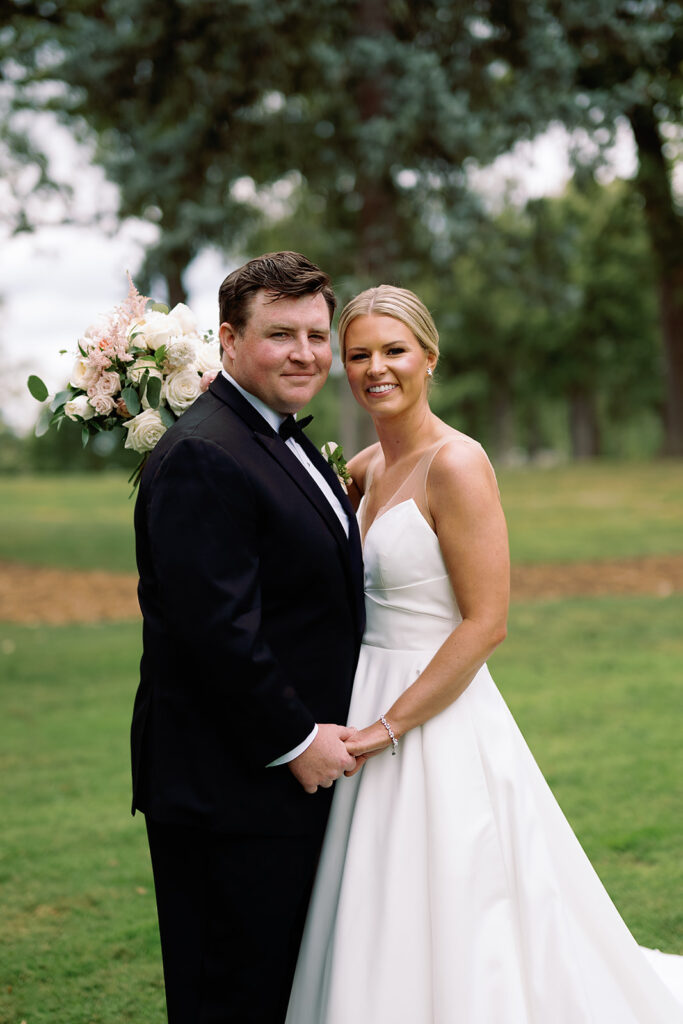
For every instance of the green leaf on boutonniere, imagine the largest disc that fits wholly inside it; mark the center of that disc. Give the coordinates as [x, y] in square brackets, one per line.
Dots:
[37, 388]
[130, 397]
[334, 454]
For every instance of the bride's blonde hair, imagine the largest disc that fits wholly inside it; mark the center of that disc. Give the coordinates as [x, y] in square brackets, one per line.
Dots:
[399, 303]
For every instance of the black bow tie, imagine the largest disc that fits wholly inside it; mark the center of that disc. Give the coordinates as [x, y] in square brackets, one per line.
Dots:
[291, 427]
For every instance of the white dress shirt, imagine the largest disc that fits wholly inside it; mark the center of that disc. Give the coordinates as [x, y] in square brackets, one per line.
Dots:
[274, 419]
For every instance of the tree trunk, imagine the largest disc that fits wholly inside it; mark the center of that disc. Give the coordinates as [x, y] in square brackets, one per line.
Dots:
[584, 430]
[376, 216]
[174, 284]
[665, 227]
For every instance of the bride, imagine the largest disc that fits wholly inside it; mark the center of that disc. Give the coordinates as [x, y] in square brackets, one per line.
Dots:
[451, 889]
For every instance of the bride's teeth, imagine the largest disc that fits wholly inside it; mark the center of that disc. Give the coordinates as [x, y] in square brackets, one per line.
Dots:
[381, 387]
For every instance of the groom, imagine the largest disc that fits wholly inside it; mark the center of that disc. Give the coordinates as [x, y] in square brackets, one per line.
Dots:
[251, 594]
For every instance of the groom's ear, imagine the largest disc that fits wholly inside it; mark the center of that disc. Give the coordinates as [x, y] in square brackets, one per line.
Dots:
[227, 337]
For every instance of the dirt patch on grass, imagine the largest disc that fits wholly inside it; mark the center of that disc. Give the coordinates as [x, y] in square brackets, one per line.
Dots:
[31, 594]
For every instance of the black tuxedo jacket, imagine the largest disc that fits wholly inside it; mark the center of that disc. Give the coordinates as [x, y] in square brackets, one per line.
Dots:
[252, 602]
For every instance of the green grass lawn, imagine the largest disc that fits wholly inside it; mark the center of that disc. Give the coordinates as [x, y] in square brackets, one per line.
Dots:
[81, 521]
[595, 686]
[596, 510]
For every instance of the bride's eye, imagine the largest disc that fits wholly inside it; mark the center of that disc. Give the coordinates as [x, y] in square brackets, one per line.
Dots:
[356, 356]
[396, 350]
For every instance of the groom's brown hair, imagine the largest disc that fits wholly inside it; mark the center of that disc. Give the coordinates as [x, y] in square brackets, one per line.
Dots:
[282, 273]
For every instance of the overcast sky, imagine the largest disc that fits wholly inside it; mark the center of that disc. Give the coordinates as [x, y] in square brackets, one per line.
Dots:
[55, 281]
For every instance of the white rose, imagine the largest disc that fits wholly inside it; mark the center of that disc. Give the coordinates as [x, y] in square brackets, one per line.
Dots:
[144, 430]
[81, 374]
[79, 407]
[137, 369]
[157, 329]
[185, 317]
[181, 388]
[207, 356]
[180, 352]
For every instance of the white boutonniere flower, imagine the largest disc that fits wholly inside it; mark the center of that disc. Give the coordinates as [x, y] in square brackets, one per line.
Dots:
[334, 454]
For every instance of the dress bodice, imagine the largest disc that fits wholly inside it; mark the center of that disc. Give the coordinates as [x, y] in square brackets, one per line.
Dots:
[409, 600]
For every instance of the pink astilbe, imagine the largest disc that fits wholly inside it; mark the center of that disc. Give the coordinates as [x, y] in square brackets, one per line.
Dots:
[108, 343]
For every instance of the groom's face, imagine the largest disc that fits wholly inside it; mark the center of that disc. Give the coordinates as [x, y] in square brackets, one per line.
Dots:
[283, 353]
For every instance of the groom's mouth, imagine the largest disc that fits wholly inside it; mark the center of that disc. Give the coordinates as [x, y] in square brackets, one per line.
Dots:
[381, 389]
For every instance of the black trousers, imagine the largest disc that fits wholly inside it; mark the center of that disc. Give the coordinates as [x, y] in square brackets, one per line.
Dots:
[231, 913]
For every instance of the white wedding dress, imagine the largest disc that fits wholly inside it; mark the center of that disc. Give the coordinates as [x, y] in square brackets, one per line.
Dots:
[451, 889]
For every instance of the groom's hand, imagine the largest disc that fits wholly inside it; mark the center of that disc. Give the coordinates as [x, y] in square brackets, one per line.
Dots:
[325, 759]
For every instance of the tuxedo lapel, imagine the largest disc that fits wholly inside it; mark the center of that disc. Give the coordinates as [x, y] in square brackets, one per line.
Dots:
[276, 447]
[354, 542]
[223, 389]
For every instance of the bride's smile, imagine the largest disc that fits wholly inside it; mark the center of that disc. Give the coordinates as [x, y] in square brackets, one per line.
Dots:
[386, 365]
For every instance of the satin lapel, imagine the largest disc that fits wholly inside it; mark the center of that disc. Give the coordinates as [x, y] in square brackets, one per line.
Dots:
[224, 390]
[354, 546]
[276, 447]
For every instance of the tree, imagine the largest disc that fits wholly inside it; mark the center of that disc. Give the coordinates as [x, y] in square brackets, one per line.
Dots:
[553, 304]
[628, 62]
[370, 113]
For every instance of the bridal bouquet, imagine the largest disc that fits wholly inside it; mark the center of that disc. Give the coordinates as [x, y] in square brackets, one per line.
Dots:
[138, 369]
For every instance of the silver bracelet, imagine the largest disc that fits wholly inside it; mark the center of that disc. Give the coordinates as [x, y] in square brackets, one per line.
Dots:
[394, 741]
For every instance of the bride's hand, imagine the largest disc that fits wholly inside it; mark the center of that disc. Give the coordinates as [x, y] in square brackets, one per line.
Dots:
[367, 743]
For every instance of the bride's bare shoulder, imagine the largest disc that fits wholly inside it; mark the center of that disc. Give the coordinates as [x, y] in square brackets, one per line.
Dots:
[460, 461]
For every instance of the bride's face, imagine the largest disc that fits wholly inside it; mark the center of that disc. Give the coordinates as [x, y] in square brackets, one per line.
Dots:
[386, 365]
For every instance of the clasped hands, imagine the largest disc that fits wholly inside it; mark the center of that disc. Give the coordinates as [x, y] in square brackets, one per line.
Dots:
[337, 750]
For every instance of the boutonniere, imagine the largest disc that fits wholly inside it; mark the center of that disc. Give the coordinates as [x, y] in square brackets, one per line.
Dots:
[334, 454]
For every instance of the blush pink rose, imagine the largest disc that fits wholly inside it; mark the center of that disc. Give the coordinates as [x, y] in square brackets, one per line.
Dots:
[207, 378]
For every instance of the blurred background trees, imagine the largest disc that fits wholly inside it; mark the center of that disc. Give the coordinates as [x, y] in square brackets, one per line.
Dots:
[355, 132]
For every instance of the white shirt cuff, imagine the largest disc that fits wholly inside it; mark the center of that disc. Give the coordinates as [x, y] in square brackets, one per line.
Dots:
[297, 750]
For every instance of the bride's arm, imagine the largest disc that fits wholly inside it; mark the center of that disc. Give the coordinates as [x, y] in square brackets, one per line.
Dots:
[469, 522]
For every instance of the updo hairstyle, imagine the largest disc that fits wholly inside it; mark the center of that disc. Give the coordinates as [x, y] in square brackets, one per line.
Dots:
[399, 303]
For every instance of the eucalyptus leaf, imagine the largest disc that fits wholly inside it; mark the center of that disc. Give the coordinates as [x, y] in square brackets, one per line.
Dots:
[167, 417]
[132, 400]
[60, 399]
[153, 392]
[85, 436]
[159, 307]
[37, 388]
[44, 421]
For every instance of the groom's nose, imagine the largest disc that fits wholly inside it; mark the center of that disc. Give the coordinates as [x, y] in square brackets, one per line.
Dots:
[301, 351]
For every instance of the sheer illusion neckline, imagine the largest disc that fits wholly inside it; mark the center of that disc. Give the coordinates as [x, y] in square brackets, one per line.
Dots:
[417, 493]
